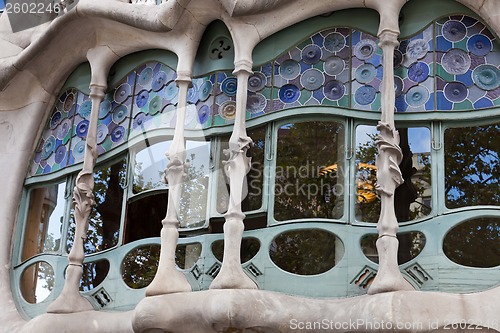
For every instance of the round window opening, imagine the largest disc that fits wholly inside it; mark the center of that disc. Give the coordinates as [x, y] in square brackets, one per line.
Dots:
[249, 248]
[410, 245]
[37, 282]
[139, 266]
[306, 251]
[474, 243]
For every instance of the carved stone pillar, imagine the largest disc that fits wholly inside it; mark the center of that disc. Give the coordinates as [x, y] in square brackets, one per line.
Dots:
[168, 278]
[389, 177]
[231, 275]
[70, 300]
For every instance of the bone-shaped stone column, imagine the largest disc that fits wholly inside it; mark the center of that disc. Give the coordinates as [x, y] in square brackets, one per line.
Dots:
[389, 177]
[231, 275]
[100, 59]
[168, 278]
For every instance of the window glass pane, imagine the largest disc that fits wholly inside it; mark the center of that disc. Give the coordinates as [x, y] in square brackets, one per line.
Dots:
[255, 177]
[45, 220]
[194, 195]
[474, 243]
[186, 255]
[149, 167]
[309, 171]
[93, 274]
[136, 227]
[472, 166]
[412, 199]
[140, 265]
[307, 251]
[249, 248]
[37, 281]
[104, 220]
[410, 245]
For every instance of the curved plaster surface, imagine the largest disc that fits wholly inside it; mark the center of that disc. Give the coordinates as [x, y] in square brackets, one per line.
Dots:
[31, 63]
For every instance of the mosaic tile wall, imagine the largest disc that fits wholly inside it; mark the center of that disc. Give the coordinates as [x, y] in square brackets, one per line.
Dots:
[451, 65]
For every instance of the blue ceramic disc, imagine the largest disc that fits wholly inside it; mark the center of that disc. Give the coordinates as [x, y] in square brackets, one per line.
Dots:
[82, 128]
[205, 91]
[365, 49]
[145, 77]
[79, 150]
[417, 49]
[311, 54]
[117, 134]
[486, 77]
[365, 95]
[454, 31]
[398, 86]
[154, 105]
[365, 73]
[203, 114]
[334, 42]
[192, 94]
[256, 103]
[142, 98]
[159, 80]
[139, 120]
[333, 66]
[289, 69]
[64, 128]
[122, 93]
[312, 79]
[102, 132]
[398, 58]
[228, 110]
[417, 96]
[55, 119]
[289, 93]
[418, 72]
[256, 82]
[170, 91]
[229, 86]
[479, 45]
[334, 90]
[85, 109]
[104, 108]
[60, 154]
[48, 147]
[456, 62]
[119, 114]
[68, 102]
[455, 91]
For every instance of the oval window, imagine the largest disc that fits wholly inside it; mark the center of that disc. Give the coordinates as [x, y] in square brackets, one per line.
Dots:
[186, 255]
[139, 266]
[307, 251]
[474, 243]
[410, 245]
[37, 282]
[93, 274]
[249, 248]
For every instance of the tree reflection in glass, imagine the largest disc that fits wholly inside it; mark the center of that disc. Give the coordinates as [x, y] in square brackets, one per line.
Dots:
[472, 166]
[104, 220]
[37, 281]
[309, 171]
[412, 199]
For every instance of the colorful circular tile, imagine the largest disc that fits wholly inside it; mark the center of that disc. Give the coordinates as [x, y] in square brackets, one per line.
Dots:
[417, 96]
[82, 128]
[192, 94]
[311, 54]
[398, 58]
[102, 132]
[486, 77]
[479, 45]
[228, 110]
[365, 73]
[418, 72]
[334, 42]
[68, 102]
[119, 114]
[154, 105]
[229, 86]
[64, 128]
[104, 108]
[55, 120]
[170, 91]
[454, 31]
[334, 65]
[48, 147]
[139, 120]
[398, 86]
[256, 103]
[85, 109]
[289, 93]
[365, 49]
[117, 134]
[289, 69]
[312, 79]
[256, 82]
[203, 114]
[417, 49]
[334, 90]
[455, 92]
[79, 150]
[122, 93]
[60, 154]
[365, 95]
[159, 80]
[205, 91]
[142, 98]
[145, 77]
[456, 62]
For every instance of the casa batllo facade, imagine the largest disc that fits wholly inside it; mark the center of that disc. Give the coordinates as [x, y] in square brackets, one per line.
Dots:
[250, 166]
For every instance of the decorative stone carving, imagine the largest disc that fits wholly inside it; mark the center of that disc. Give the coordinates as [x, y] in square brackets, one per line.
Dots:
[168, 279]
[231, 275]
[389, 177]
